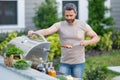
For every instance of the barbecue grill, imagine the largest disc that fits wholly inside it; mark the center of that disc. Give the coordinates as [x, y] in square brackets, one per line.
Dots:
[33, 48]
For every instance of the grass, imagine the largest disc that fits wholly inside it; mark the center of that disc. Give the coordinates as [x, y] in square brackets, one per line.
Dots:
[110, 59]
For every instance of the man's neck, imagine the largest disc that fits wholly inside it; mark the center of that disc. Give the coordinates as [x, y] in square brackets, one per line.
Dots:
[74, 22]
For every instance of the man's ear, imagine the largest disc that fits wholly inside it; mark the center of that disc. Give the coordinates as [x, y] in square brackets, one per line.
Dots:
[75, 12]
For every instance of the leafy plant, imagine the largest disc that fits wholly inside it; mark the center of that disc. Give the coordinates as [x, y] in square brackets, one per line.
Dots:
[12, 49]
[21, 64]
[62, 78]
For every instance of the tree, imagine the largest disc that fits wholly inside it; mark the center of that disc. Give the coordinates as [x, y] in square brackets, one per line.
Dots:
[97, 19]
[46, 14]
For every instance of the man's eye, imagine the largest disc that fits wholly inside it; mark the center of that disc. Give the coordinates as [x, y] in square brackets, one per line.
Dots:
[66, 15]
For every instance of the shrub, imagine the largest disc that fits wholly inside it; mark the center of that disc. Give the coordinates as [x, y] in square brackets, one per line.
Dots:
[96, 73]
[105, 42]
[116, 40]
[90, 47]
[55, 46]
[10, 36]
[97, 19]
[3, 36]
[46, 14]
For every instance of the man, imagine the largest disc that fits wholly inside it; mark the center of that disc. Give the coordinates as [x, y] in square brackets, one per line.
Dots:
[71, 32]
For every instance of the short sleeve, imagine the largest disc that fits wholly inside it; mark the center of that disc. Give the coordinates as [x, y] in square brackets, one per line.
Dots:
[55, 26]
[88, 28]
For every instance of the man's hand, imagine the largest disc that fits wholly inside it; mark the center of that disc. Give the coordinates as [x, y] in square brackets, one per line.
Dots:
[67, 46]
[30, 33]
[84, 43]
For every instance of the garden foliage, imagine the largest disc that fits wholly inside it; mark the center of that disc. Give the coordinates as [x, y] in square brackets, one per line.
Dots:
[55, 46]
[96, 73]
[46, 14]
[9, 37]
[97, 18]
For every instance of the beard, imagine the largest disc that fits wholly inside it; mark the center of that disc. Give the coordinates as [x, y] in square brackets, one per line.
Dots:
[70, 20]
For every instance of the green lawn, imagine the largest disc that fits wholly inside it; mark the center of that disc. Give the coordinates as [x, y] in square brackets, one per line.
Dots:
[110, 59]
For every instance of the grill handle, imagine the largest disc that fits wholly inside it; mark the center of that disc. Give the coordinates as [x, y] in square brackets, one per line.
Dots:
[40, 35]
[46, 50]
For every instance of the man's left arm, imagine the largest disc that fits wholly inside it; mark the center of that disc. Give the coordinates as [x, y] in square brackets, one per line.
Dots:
[94, 38]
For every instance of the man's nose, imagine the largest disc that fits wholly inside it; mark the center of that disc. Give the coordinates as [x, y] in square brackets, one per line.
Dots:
[69, 17]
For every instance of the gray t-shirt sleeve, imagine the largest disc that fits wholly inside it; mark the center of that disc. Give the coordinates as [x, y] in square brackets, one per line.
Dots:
[54, 28]
[87, 28]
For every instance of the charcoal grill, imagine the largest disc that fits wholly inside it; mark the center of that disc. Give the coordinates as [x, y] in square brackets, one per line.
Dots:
[33, 48]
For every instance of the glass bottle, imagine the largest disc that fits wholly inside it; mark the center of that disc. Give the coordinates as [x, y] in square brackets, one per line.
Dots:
[46, 66]
[52, 72]
[40, 67]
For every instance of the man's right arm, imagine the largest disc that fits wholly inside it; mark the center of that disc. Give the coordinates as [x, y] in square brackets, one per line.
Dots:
[54, 28]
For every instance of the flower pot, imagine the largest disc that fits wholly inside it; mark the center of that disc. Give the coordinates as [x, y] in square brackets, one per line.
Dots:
[7, 61]
[11, 59]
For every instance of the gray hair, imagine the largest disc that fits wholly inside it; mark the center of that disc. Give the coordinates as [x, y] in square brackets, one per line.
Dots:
[70, 6]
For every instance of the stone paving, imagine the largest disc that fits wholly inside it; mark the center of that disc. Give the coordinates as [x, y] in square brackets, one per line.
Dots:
[115, 69]
[116, 78]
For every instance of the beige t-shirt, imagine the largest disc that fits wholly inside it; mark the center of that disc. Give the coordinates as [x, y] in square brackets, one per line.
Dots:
[71, 34]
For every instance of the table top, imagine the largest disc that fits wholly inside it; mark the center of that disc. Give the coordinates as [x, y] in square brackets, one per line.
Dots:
[13, 73]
